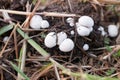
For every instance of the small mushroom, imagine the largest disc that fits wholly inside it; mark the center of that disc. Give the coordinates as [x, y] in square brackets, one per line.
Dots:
[83, 31]
[61, 36]
[103, 33]
[69, 20]
[85, 47]
[44, 24]
[72, 32]
[112, 30]
[67, 45]
[50, 40]
[86, 21]
[101, 28]
[71, 24]
[35, 22]
[5, 39]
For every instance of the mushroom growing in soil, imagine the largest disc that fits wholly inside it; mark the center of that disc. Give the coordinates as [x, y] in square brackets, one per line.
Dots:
[5, 39]
[86, 21]
[61, 36]
[35, 22]
[70, 21]
[67, 45]
[72, 32]
[113, 30]
[103, 33]
[83, 31]
[85, 47]
[85, 25]
[50, 40]
[44, 24]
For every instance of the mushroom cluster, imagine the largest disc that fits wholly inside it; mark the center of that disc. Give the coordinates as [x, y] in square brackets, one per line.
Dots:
[65, 44]
[37, 22]
[85, 25]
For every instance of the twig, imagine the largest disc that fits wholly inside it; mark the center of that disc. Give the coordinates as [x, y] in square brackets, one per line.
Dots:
[109, 1]
[22, 61]
[1, 72]
[54, 14]
[8, 72]
[113, 51]
[40, 72]
[1, 53]
[15, 44]
[114, 74]
[102, 48]
[56, 72]
[69, 3]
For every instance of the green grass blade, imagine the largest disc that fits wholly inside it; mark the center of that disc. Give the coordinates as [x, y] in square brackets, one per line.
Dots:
[5, 29]
[93, 77]
[33, 43]
[19, 71]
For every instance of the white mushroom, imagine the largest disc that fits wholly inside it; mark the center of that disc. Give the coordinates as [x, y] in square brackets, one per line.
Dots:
[35, 22]
[72, 32]
[85, 47]
[44, 24]
[103, 33]
[61, 36]
[101, 28]
[71, 24]
[67, 45]
[86, 21]
[83, 31]
[79, 25]
[50, 40]
[5, 39]
[70, 20]
[91, 29]
[112, 30]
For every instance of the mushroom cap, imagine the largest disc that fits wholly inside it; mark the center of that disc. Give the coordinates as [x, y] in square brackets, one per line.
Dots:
[103, 33]
[72, 32]
[44, 24]
[35, 22]
[70, 20]
[71, 24]
[67, 45]
[85, 47]
[83, 31]
[50, 40]
[101, 28]
[91, 29]
[5, 39]
[112, 30]
[61, 37]
[78, 25]
[86, 21]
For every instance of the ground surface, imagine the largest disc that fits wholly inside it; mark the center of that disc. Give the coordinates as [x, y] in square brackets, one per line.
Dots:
[90, 61]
